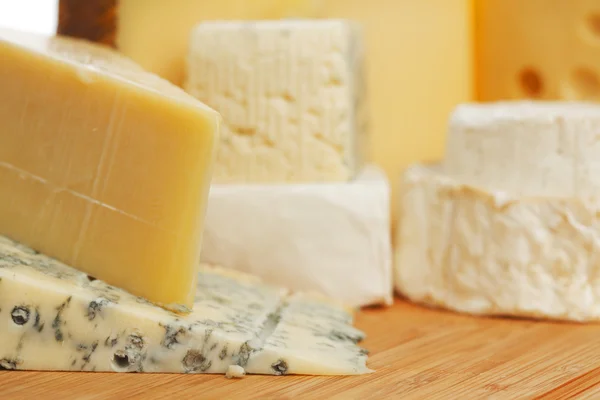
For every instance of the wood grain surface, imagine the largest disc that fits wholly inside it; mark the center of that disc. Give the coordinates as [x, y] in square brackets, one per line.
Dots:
[418, 353]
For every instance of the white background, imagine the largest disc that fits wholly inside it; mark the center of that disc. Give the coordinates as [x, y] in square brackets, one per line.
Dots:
[29, 15]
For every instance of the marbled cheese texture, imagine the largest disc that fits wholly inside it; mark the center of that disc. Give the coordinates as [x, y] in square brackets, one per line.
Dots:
[291, 93]
[53, 317]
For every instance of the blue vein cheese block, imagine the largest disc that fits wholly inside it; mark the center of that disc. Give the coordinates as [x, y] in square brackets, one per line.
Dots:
[53, 317]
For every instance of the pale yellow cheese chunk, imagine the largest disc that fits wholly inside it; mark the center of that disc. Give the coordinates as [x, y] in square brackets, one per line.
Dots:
[102, 165]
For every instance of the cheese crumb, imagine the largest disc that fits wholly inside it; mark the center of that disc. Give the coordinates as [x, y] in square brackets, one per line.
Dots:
[235, 371]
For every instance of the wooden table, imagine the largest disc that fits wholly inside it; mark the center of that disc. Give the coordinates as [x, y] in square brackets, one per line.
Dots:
[417, 353]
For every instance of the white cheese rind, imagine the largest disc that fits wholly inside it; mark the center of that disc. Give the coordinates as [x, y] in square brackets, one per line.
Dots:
[53, 317]
[291, 93]
[333, 238]
[489, 252]
[526, 148]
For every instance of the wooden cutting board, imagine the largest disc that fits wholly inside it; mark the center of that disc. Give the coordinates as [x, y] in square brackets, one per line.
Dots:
[417, 353]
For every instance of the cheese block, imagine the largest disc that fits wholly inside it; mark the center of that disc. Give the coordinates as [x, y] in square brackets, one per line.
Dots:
[333, 238]
[489, 252]
[536, 50]
[291, 94]
[102, 165]
[53, 317]
[508, 224]
[528, 148]
[409, 93]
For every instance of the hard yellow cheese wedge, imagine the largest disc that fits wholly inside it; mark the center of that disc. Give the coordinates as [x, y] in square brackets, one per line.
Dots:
[102, 165]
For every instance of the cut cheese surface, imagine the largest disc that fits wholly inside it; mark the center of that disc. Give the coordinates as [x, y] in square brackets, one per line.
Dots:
[333, 238]
[102, 165]
[291, 93]
[537, 49]
[489, 252]
[527, 148]
[53, 317]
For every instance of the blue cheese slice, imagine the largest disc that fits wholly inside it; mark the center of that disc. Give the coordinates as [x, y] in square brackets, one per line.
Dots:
[311, 328]
[53, 317]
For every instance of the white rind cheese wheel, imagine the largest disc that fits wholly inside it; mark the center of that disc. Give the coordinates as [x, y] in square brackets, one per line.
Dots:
[487, 252]
[526, 148]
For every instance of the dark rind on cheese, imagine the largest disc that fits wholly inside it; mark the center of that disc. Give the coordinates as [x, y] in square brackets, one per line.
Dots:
[94, 20]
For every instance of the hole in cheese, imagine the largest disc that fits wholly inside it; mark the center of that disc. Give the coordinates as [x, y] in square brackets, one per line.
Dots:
[593, 25]
[583, 85]
[120, 361]
[531, 82]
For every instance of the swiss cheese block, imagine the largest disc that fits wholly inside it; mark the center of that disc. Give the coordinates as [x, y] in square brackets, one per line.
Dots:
[537, 49]
[333, 238]
[102, 165]
[529, 148]
[419, 55]
[509, 223]
[291, 94]
[53, 317]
